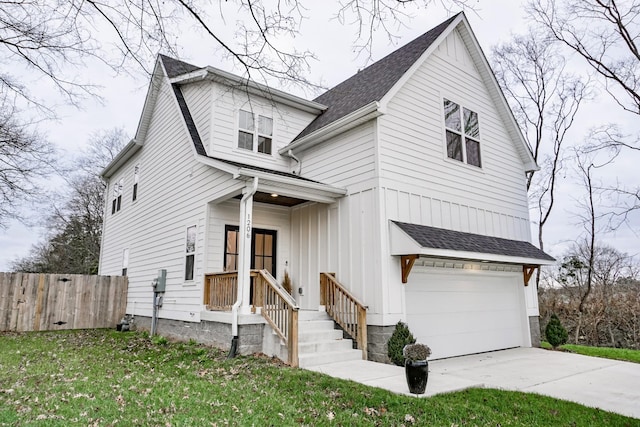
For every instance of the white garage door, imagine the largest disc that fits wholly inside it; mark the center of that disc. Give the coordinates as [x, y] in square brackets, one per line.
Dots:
[464, 312]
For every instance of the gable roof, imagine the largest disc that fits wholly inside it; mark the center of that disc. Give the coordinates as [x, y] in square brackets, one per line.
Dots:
[435, 241]
[372, 83]
[365, 95]
[175, 67]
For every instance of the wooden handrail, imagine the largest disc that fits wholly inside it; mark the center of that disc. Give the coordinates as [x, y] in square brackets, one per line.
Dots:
[279, 309]
[345, 309]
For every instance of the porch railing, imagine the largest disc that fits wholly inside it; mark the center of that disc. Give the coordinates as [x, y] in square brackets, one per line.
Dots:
[220, 290]
[279, 309]
[277, 306]
[345, 309]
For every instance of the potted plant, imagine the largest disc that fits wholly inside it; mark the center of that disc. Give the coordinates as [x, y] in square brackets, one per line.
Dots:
[416, 367]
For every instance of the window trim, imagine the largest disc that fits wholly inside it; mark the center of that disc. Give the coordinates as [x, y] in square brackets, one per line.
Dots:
[461, 133]
[255, 132]
[191, 254]
[125, 261]
[136, 179]
[116, 202]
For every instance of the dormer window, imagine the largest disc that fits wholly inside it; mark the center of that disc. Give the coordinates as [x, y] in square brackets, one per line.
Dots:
[462, 133]
[255, 132]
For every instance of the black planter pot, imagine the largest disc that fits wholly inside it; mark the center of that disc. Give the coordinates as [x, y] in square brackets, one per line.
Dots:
[417, 374]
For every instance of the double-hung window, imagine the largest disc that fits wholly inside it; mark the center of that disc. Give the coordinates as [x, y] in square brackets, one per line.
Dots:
[136, 177]
[116, 203]
[190, 257]
[462, 133]
[255, 132]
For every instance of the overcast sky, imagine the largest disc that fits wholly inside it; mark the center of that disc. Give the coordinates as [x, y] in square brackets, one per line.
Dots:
[123, 98]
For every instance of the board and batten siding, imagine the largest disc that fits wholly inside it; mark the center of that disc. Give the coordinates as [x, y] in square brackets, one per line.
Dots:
[221, 139]
[172, 195]
[339, 238]
[416, 174]
[420, 184]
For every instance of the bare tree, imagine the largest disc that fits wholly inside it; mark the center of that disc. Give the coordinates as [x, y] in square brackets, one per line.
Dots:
[604, 33]
[74, 225]
[24, 158]
[545, 100]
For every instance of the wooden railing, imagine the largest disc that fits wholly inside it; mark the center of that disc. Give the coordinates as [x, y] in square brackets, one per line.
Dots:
[220, 290]
[279, 309]
[345, 310]
[277, 306]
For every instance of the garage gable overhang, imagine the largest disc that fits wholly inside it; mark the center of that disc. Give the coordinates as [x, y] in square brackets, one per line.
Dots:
[421, 240]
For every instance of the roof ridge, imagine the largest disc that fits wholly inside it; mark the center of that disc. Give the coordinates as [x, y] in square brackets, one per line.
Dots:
[373, 82]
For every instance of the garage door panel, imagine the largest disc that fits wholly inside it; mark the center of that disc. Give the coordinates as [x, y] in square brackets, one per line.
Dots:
[443, 302]
[464, 312]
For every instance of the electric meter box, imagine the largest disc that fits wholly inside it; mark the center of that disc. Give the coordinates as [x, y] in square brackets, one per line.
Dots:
[160, 284]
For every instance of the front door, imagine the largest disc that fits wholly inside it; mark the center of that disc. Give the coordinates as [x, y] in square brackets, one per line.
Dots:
[263, 249]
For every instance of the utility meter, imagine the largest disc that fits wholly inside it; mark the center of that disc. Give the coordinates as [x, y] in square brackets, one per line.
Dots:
[160, 283]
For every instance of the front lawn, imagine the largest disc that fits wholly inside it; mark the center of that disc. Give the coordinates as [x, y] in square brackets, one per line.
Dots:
[106, 378]
[605, 352]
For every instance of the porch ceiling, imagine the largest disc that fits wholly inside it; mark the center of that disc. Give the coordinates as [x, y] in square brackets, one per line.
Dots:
[279, 200]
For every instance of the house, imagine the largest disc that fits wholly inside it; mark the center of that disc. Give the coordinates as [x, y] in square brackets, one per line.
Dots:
[398, 195]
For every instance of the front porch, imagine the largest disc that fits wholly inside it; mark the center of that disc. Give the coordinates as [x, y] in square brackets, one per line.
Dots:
[274, 303]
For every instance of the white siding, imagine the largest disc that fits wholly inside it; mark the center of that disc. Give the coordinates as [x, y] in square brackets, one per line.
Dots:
[345, 160]
[222, 141]
[447, 193]
[198, 99]
[172, 195]
[342, 239]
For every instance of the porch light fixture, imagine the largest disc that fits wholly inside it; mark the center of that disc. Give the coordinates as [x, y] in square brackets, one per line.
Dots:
[274, 195]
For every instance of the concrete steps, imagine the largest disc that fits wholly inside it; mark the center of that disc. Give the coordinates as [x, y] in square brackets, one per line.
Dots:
[319, 343]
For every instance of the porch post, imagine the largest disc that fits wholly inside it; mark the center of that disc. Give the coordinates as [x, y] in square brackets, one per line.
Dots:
[244, 246]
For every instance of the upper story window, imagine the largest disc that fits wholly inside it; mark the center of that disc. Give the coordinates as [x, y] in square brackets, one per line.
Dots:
[463, 133]
[136, 177]
[116, 203]
[255, 132]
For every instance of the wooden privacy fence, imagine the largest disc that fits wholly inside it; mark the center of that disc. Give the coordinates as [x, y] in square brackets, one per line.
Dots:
[43, 302]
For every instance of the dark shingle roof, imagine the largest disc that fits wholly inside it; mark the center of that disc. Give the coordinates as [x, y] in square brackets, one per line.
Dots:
[261, 169]
[372, 83]
[186, 114]
[439, 238]
[175, 67]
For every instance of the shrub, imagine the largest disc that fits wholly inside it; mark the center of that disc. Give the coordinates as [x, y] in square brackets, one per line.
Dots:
[401, 336]
[416, 352]
[556, 333]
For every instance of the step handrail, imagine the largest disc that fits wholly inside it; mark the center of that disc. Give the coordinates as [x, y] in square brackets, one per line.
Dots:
[279, 309]
[345, 309]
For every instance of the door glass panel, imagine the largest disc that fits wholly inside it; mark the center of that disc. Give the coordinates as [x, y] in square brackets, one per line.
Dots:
[268, 245]
[258, 262]
[259, 244]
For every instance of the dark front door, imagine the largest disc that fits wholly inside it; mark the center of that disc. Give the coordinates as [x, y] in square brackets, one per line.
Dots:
[263, 249]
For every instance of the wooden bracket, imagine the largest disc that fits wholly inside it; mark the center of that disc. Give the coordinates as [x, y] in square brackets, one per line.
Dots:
[406, 262]
[527, 271]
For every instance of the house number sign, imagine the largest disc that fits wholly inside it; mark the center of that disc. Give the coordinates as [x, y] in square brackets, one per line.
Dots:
[248, 230]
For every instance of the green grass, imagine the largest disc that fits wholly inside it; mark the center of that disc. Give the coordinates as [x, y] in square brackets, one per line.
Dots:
[604, 352]
[101, 378]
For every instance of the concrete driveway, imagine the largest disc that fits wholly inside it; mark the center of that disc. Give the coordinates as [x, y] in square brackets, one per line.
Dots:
[601, 383]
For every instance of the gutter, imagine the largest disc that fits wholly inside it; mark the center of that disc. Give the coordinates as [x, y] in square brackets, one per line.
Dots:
[343, 124]
[125, 154]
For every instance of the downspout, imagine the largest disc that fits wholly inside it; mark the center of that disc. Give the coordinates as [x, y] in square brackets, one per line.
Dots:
[290, 154]
[234, 309]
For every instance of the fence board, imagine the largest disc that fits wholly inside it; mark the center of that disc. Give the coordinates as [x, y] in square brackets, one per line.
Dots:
[44, 302]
